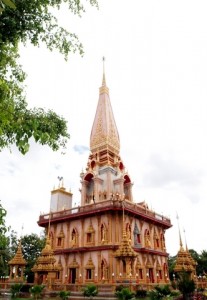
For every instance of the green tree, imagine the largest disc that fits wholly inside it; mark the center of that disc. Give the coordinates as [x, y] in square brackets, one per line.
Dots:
[4, 242]
[32, 246]
[185, 285]
[171, 265]
[31, 21]
[201, 267]
[9, 3]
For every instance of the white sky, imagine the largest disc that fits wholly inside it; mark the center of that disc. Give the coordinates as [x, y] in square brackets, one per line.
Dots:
[156, 62]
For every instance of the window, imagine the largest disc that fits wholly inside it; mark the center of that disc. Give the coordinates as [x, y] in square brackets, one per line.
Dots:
[59, 241]
[89, 237]
[88, 274]
[138, 239]
[140, 274]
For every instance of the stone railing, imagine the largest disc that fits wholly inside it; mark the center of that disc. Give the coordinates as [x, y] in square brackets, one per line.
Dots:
[110, 204]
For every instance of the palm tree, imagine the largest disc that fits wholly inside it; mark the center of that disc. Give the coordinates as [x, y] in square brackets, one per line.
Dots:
[36, 290]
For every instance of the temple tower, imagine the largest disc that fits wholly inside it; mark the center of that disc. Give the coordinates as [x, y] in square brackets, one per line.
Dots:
[105, 177]
[109, 238]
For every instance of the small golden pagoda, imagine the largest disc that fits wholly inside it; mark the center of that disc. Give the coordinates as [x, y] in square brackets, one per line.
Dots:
[17, 266]
[45, 270]
[126, 254]
[184, 261]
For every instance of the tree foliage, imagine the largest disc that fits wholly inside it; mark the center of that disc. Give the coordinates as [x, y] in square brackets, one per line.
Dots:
[185, 284]
[15, 289]
[32, 246]
[4, 243]
[4, 3]
[31, 21]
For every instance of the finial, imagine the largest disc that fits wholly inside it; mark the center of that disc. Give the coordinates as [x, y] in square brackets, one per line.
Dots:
[60, 180]
[22, 230]
[181, 244]
[48, 232]
[185, 240]
[104, 80]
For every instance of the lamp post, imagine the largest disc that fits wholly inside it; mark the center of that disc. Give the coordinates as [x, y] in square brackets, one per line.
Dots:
[174, 281]
[137, 278]
[80, 278]
[130, 281]
[96, 277]
[204, 281]
[120, 276]
[158, 280]
[147, 280]
[66, 276]
[200, 280]
[112, 277]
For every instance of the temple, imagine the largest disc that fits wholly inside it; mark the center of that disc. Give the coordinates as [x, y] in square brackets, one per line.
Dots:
[184, 261]
[109, 238]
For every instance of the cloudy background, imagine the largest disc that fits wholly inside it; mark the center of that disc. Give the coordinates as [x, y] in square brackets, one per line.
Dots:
[156, 70]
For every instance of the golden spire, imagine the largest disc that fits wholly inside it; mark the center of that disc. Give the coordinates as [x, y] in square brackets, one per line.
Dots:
[104, 79]
[104, 133]
[104, 89]
[181, 243]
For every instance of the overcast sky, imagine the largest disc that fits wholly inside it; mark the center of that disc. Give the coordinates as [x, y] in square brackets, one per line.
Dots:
[156, 71]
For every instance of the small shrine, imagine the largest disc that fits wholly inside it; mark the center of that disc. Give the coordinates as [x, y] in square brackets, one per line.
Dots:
[17, 265]
[184, 261]
[45, 270]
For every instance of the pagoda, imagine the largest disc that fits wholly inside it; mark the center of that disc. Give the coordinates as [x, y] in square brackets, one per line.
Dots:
[17, 265]
[184, 261]
[45, 270]
[108, 238]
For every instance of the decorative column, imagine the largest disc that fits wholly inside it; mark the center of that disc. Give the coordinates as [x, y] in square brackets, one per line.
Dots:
[83, 192]
[97, 182]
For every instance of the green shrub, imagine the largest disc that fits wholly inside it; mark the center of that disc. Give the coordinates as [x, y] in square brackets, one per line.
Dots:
[119, 288]
[90, 291]
[64, 294]
[36, 290]
[15, 289]
[141, 293]
[159, 292]
[124, 294]
[25, 288]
